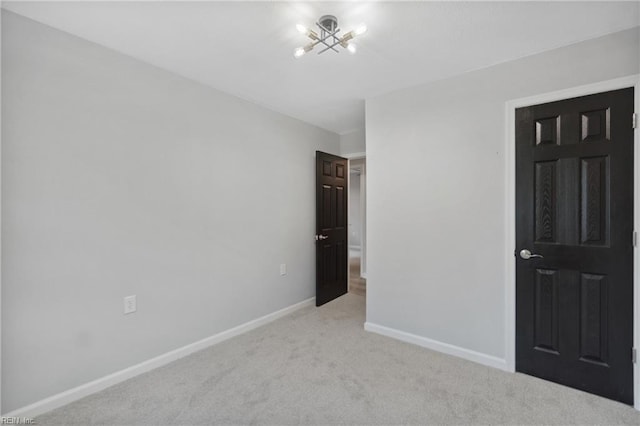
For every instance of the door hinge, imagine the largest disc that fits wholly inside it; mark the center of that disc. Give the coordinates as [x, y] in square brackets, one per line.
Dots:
[635, 239]
[635, 120]
[634, 355]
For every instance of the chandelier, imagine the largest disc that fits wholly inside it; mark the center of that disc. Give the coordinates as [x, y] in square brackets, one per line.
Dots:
[328, 37]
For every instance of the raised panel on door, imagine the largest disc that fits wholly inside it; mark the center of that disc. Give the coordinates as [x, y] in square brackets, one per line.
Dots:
[594, 206]
[327, 262]
[340, 253]
[327, 207]
[546, 311]
[594, 319]
[595, 125]
[545, 201]
[547, 131]
[340, 195]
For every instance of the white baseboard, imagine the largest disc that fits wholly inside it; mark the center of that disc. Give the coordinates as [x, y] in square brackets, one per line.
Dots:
[435, 345]
[97, 385]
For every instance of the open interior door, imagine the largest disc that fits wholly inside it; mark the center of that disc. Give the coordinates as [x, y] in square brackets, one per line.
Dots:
[331, 227]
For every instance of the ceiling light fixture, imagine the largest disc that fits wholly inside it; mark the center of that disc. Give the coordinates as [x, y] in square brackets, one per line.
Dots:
[328, 36]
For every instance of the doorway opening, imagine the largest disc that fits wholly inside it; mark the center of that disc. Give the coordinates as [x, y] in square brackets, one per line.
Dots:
[357, 227]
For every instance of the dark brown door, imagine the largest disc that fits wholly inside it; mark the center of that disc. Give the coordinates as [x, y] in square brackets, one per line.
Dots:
[331, 227]
[574, 207]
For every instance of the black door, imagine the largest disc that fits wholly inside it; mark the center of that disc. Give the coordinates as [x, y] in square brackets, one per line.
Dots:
[574, 207]
[331, 227]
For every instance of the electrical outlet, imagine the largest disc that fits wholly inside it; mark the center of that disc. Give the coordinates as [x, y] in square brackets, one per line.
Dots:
[130, 304]
[283, 269]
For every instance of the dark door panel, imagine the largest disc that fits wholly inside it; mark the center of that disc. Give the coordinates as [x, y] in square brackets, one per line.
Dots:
[331, 227]
[574, 207]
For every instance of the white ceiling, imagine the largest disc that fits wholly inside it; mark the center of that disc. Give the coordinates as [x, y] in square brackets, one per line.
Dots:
[246, 48]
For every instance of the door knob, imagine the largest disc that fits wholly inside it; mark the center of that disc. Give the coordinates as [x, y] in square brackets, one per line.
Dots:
[526, 255]
[321, 237]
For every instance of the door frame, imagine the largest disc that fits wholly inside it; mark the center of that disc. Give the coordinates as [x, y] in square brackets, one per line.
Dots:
[510, 208]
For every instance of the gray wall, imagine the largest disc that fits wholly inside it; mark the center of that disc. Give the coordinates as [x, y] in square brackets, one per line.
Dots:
[119, 178]
[353, 142]
[436, 191]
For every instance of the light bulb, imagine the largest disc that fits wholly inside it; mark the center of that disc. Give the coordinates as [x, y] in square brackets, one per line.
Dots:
[361, 29]
[299, 52]
[301, 28]
[352, 48]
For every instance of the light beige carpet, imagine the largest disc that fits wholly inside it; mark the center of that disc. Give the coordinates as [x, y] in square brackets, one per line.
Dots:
[318, 366]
